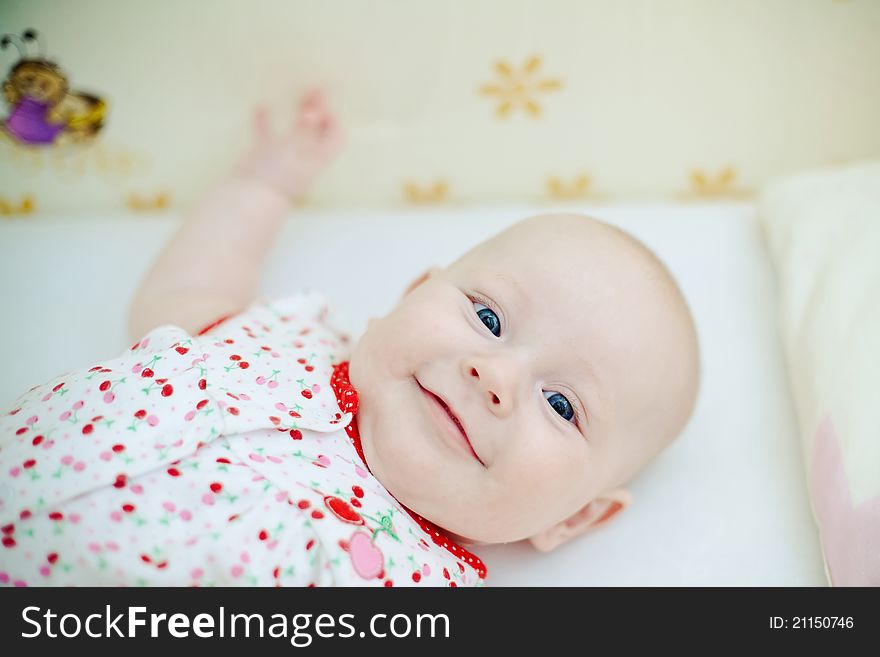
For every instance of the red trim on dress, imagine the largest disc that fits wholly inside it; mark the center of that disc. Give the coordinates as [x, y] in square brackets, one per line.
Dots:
[347, 398]
[216, 322]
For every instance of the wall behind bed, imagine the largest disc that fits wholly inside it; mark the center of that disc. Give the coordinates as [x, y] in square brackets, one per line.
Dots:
[443, 102]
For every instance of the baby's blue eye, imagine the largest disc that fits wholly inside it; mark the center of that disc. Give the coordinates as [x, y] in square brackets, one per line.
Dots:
[561, 405]
[490, 319]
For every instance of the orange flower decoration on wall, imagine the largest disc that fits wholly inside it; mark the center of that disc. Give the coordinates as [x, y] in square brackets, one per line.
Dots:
[157, 202]
[10, 208]
[722, 185]
[577, 188]
[518, 88]
[429, 194]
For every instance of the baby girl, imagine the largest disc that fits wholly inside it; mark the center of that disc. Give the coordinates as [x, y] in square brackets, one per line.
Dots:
[511, 395]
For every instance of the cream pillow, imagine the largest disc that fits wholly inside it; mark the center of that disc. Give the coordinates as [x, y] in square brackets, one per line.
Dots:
[822, 229]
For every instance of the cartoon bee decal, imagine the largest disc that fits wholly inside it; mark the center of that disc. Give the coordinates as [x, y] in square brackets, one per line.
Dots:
[42, 109]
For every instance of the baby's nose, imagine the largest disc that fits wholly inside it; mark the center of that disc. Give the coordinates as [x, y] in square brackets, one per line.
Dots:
[476, 375]
[496, 380]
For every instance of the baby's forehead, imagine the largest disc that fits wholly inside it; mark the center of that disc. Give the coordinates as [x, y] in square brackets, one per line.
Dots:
[542, 251]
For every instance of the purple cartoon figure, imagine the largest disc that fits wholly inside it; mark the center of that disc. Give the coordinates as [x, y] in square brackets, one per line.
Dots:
[42, 109]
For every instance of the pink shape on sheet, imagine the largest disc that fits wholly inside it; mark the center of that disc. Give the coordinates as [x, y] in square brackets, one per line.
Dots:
[850, 535]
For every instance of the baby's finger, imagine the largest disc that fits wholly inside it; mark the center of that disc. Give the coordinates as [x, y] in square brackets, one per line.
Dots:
[313, 99]
[331, 134]
[262, 130]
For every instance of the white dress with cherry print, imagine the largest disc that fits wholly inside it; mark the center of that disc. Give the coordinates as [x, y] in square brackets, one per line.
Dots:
[226, 458]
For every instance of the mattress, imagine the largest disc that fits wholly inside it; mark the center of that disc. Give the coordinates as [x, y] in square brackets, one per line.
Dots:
[725, 505]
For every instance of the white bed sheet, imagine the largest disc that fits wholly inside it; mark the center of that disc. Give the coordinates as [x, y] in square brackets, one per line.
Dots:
[725, 505]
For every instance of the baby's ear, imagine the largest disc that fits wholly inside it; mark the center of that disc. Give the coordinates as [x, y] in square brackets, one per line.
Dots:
[421, 279]
[594, 514]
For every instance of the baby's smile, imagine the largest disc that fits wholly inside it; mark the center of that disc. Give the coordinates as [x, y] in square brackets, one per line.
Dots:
[449, 422]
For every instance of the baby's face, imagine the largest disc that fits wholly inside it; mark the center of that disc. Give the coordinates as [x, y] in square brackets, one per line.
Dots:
[555, 350]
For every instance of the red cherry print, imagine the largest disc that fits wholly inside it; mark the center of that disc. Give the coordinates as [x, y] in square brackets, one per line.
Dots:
[56, 515]
[52, 558]
[128, 508]
[244, 365]
[343, 544]
[224, 460]
[120, 481]
[97, 417]
[296, 434]
[174, 472]
[37, 440]
[147, 372]
[235, 357]
[317, 515]
[146, 558]
[118, 447]
[8, 542]
[29, 464]
[355, 502]
[181, 350]
[141, 414]
[216, 487]
[24, 515]
[453, 585]
[232, 410]
[357, 490]
[229, 341]
[201, 404]
[276, 572]
[233, 396]
[167, 390]
[95, 368]
[21, 431]
[310, 544]
[388, 584]
[202, 384]
[8, 529]
[342, 510]
[446, 573]
[87, 429]
[416, 576]
[303, 504]
[294, 414]
[301, 361]
[309, 368]
[161, 565]
[57, 388]
[307, 393]
[161, 381]
[104, 386]
[263, 535]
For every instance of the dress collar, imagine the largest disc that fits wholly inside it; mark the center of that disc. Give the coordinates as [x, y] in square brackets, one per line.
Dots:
[347, 398]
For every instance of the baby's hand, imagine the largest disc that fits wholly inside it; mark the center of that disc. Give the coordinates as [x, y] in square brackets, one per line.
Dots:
[290, 163]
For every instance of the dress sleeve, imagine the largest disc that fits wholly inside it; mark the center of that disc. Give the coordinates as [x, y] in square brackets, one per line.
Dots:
[287, 316]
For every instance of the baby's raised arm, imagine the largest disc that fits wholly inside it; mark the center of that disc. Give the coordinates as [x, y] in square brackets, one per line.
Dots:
[211, 265]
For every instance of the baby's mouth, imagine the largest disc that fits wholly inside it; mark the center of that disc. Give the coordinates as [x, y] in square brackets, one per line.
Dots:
[454, 418]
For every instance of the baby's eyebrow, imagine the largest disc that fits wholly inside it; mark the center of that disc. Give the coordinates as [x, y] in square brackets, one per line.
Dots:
[510, 283]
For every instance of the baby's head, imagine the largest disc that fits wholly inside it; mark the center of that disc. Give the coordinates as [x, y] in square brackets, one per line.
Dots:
[568, 355]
